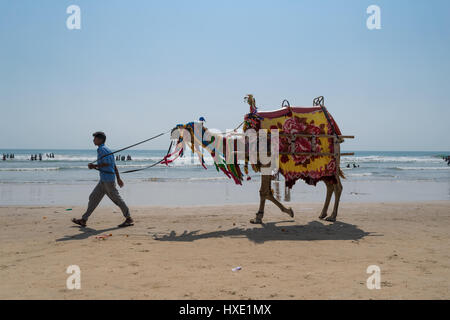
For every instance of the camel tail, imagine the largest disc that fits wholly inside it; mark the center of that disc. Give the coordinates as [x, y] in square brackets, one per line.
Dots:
[341, 174]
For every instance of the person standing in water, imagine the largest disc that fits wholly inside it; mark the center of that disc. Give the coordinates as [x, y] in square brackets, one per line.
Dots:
[108, 172]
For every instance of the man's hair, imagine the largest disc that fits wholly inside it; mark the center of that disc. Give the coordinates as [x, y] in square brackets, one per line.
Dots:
[99, 134]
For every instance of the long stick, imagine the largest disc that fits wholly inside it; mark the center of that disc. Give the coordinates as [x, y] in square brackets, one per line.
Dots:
[302, 135]
[133, 145]
[318, 153]
[152, 165]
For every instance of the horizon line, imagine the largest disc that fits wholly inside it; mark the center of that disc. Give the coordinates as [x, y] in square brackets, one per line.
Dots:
[344, 150]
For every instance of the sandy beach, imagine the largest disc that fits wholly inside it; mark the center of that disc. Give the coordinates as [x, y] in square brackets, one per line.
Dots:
[189, 252]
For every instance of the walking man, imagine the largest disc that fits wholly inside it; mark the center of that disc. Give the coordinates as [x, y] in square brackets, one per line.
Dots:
[107, 185]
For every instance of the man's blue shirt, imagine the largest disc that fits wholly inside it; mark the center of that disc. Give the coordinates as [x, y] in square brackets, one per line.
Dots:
[107, 173]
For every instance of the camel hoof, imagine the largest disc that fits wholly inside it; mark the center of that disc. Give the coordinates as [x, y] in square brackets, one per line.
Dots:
[258, 218]
[321, 217]
[256, 221]
[330, 219]
[291, 213]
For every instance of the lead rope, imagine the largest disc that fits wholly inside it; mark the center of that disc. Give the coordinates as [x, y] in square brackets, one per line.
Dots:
[133, 145]
[164, 159]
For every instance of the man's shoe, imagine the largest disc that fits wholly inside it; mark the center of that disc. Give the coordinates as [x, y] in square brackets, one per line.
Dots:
[127, 223]
[80, 222]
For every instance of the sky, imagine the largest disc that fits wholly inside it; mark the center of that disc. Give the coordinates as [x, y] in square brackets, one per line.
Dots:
[138, 68]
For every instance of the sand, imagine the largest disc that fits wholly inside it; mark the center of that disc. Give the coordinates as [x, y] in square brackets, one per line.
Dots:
[189, 253]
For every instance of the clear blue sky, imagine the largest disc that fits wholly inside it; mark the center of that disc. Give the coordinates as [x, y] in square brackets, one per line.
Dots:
[137, 68]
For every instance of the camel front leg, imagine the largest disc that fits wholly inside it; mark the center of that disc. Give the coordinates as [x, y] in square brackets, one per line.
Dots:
[263, 191]
[330, 190]
[260, 213]
[289, 211]
[266, 186]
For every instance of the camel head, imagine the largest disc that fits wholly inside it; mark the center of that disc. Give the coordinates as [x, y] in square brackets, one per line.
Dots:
[193, 134]
[251, 102]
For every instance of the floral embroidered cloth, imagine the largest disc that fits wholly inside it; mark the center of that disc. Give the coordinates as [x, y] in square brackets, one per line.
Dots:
[293, 120]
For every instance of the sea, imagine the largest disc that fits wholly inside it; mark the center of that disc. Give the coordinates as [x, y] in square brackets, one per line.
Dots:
[400, 175]
[70, 166]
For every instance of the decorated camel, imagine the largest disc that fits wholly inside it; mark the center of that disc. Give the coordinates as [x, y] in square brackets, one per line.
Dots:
[307, 146]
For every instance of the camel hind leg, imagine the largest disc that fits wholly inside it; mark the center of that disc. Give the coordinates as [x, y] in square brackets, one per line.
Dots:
[330, 190]
[337, 189]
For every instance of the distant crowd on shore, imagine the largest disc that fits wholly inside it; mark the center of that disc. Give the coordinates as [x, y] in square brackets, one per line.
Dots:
[36, 157]
[33, 157]
[447, 159]
[8, 156]
[123, 158]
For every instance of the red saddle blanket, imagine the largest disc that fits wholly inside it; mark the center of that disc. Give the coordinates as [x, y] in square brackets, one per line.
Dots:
[299, 120]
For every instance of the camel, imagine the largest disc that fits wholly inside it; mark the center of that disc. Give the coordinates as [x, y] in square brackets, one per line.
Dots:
[332, 181]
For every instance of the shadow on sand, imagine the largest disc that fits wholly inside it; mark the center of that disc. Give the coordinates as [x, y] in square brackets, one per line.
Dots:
[85, 233]
[314, 230]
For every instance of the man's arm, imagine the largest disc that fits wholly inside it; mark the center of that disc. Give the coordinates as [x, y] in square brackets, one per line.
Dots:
[119, 181]
[97, 166]
[101, 161]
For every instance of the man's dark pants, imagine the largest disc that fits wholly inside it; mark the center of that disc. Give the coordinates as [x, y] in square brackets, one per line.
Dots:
[108, 188]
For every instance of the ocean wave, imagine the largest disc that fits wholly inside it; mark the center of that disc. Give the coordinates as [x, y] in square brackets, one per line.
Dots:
[364, 174]
[187, 179]
[31, 169]
[119, 166]
[359, 159]
[67, 158]
[57, 158]
[188, 159]
[421, 168]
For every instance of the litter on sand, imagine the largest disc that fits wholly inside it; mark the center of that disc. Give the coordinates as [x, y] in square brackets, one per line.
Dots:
[103, 236]
[70, 209]
[236, 269]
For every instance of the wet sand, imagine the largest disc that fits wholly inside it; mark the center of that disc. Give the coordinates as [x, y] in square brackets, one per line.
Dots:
[201, 192]
[189, 252]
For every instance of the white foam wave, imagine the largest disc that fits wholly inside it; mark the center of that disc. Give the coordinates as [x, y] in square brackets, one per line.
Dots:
[422, 168]
[156, 179]
[364, 174]
[67, 158]
[187, 159]
[390, 159]
[31, 169]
